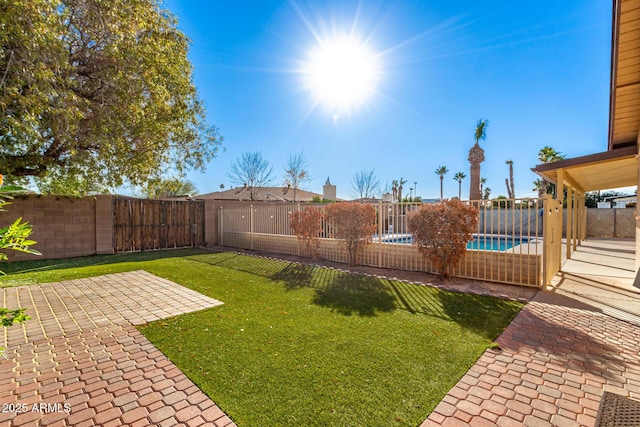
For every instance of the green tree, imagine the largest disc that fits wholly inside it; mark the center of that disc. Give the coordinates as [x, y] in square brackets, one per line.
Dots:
[487, 193]
[548, 155]
[540, 186]
[169, 187]
[69, 183]
[296, 173]
[99, 89]
[252, 171]
[459, 176]
[442, 170]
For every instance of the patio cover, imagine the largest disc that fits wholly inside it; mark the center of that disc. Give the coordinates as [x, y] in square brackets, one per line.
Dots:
[600, 171]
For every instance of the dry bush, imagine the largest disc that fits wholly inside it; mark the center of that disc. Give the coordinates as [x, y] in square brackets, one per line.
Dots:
[354, 224]
[307, 225]
[442, 231]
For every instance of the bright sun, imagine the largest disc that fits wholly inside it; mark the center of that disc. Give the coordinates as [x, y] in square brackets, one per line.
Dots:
[341, 72]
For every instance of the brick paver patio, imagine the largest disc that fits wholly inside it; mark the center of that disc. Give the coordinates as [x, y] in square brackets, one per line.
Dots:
[81, 362]
[555, 362]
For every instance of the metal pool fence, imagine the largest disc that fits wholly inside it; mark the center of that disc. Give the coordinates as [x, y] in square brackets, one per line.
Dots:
[519, 222]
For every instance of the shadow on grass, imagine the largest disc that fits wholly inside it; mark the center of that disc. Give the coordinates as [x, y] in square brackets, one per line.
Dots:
[40, 265]
[478, 312]
[350, 294]
[295, 276]
[353, 294]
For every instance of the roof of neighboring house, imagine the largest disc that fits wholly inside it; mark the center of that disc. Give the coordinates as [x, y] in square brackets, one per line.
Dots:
[281, 194]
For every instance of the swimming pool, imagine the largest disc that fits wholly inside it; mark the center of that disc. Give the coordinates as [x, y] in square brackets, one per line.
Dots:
[480, 242]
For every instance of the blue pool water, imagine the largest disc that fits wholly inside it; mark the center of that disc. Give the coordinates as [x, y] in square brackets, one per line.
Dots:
[479, 242]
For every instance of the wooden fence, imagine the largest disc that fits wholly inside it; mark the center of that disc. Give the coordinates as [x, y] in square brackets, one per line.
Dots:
[140, 224]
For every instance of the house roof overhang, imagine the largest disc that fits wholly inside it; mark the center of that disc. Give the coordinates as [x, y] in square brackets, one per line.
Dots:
[600, 171]
[624, 102]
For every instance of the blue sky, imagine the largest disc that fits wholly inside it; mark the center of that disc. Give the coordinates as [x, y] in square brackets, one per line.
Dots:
[538, 71]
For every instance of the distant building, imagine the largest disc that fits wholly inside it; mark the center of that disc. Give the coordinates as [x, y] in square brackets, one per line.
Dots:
[270, 194]
[329, 191]
[622, 202]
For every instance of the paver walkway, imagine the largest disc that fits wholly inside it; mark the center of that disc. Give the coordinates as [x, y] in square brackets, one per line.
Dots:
[80, 361]
[556, 359]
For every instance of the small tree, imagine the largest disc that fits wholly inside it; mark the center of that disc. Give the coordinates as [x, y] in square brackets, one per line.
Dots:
[307, 225]
[442, 231]
[353, 223]
[169, 187]
[252, 171]
[296, 173]
[365, 184]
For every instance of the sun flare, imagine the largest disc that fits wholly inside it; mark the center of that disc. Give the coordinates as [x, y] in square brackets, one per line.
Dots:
[342, 72]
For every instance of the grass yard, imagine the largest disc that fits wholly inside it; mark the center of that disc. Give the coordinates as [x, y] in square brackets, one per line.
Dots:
[298, 346]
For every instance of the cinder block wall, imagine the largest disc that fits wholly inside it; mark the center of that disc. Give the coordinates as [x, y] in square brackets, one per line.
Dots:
[611, 223]
[63, 227]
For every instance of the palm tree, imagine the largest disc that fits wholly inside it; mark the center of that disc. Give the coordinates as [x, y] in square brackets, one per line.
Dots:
[442, 170]
[548, 155]
[487, 193]
[401, 183]
[483, 181]
[539, 186]
[510, 187]
[458, 177]
[394, 189]
[476, 156]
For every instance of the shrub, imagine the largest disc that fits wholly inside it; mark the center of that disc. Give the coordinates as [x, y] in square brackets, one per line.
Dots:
[14, 237]
[354, 224]
[307, 225]
[442, 231]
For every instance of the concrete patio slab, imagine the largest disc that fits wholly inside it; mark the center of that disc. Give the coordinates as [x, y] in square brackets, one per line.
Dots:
[81, 362]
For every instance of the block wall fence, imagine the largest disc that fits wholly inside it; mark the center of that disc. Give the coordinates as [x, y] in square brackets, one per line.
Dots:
[63, 227]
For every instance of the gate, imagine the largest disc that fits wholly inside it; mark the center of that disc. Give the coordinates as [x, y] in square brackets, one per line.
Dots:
[141, 224]
[551, 238]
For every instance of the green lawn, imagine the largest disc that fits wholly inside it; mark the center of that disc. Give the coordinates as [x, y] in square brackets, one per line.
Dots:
[300, 346]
